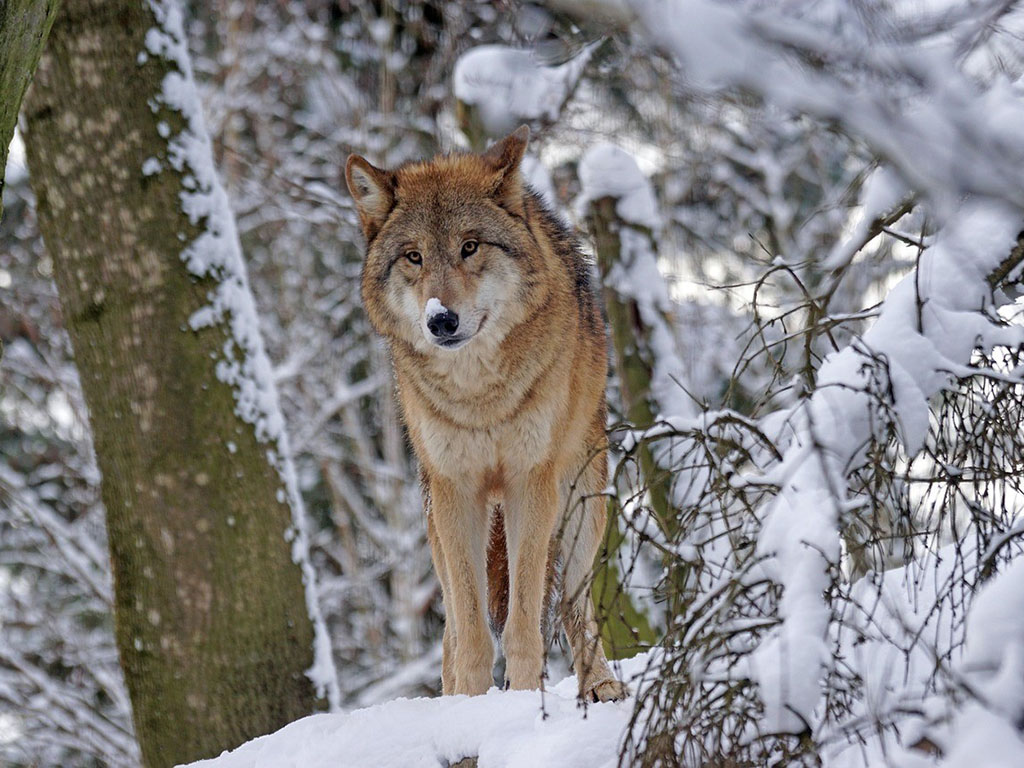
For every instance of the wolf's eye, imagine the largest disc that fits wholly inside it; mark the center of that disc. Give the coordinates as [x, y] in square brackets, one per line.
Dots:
[469, 248]
[414, 257]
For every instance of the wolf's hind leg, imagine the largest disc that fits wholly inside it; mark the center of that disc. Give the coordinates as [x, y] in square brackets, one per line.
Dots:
[580, 539]
[461, 527]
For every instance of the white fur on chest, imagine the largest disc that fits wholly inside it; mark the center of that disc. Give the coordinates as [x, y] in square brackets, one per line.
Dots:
[517, 444]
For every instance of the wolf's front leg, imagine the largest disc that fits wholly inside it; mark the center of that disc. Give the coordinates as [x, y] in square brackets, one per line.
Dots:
[449, 642]
[460, 531]
[532, 509]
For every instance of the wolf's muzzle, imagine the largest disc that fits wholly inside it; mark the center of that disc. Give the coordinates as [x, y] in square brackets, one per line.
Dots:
[443, 325]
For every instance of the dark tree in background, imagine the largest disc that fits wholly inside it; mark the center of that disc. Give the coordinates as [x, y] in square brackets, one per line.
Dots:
[24, 25]
[23, 30]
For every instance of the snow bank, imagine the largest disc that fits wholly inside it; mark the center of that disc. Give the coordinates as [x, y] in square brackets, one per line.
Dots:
[505, 729]
[508, 86]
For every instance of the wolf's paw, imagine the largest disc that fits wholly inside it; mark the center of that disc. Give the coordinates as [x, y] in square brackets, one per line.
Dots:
[605, 690]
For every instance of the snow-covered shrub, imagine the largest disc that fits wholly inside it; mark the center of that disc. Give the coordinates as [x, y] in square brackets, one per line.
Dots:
[825, 559]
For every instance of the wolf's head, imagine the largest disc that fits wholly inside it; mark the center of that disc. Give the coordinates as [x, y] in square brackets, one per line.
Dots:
[450, 257]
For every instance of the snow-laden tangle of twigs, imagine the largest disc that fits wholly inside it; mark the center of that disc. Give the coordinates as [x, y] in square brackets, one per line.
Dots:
[775, 652]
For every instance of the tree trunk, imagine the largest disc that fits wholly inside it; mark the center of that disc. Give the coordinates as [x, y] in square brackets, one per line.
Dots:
[213, 622]
[24, 25]
[634, 360]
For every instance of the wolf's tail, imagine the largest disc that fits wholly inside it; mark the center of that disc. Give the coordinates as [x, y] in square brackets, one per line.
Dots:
[497, 573]
[498, 581]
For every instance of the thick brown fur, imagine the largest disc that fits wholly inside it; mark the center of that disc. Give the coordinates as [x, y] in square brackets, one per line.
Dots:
[509, 426]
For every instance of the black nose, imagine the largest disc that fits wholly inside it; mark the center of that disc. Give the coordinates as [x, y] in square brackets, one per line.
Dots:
[443, 324]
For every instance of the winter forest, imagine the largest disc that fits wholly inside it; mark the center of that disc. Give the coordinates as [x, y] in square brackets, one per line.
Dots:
[804, 225]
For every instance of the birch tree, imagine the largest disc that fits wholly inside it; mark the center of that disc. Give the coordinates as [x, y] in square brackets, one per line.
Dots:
[216, 622]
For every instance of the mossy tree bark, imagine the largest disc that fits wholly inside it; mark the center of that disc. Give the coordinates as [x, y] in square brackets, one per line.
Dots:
[471, 125]
[210, 609]
[633, 363]
[634, 360]
[24, 27]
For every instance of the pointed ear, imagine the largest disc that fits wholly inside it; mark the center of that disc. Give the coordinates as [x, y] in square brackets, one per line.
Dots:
[505, 157]
[373, 190]
[508, 153]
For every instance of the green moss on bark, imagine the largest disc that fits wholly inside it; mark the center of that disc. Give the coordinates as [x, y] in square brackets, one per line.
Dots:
[626, 627]
[632, 357]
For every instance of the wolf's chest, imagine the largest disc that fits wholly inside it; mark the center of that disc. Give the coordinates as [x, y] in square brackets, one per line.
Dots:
[456, 450]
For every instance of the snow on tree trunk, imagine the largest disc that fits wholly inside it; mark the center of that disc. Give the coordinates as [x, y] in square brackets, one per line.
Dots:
[498, 87]
[24, 25]
[216, 618]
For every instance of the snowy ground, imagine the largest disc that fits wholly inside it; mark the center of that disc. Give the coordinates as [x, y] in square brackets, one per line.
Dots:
[505, 729]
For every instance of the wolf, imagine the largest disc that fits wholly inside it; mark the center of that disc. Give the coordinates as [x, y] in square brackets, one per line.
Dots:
[499, 354]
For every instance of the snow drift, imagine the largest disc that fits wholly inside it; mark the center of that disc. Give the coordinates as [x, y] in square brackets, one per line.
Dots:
[504, 729]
